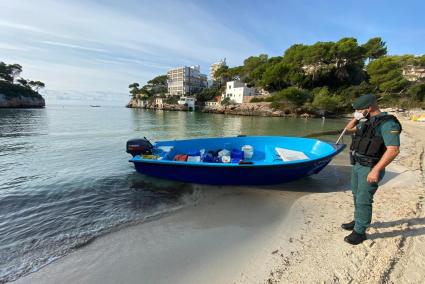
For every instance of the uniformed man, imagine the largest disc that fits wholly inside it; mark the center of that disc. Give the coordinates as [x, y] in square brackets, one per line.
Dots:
[375, 144]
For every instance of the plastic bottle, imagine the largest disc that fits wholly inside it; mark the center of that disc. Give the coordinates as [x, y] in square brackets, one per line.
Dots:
[248, 151]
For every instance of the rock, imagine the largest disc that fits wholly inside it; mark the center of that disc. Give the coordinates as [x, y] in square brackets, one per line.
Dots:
[136, 103]
[248, 109]
[21, 102]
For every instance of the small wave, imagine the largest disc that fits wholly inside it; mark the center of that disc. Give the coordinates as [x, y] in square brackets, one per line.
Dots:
[32, 253]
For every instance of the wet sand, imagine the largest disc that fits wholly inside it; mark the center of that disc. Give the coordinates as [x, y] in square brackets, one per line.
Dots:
[219, 239]
[209, 242]
[289, 233]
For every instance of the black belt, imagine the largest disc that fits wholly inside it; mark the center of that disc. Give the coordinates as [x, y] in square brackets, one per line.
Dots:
[363, 160]
[366, 161]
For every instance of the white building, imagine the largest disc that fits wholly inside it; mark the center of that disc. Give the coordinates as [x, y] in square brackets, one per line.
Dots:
[158, 102]
[187, 101]
[236, 91]
[186, 80]
[413, 73]
[212, 104]
[142, 103]
[215, 66]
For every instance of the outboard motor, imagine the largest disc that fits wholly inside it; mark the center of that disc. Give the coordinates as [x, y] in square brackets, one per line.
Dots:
[139, 147]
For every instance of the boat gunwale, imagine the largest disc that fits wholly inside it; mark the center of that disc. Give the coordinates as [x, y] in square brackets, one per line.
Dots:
[337, 147]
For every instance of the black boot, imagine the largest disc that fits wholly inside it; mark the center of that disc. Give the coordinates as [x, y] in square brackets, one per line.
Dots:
[355, 238]
[348, 226]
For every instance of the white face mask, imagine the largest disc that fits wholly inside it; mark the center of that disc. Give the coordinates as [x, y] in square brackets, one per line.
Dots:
[359, 115]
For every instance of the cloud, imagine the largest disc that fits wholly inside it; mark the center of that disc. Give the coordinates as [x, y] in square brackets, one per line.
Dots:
[62, 44]
[132, 61]
[72, 97]
[6, 24]
[6, 46]
[105, 46]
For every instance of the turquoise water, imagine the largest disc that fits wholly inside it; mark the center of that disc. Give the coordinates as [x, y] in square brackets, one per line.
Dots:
[65, 177]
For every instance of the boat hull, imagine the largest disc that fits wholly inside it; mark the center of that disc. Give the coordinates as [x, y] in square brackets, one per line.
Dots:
[241, 175]
[265, 169]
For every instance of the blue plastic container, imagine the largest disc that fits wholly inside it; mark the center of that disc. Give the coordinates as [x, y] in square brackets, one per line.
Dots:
[193, 153]
[236, 154]
[207, 158]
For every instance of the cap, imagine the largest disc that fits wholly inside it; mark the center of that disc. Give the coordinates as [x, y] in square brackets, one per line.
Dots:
[364, 101]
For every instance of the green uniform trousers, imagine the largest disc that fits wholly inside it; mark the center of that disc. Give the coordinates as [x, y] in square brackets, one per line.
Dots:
[363, 196]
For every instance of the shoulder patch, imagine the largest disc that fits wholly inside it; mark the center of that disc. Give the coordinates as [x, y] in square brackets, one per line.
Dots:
[394, 128]
[390, 127]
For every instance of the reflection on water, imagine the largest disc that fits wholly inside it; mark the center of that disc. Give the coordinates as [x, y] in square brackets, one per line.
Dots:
[65, 176]
[169, 124]
[22, 123]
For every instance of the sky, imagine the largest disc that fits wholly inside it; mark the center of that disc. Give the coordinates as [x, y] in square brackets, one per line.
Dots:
[95, 49]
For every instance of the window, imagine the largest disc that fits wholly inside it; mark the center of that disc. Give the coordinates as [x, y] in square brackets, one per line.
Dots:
[230, 86]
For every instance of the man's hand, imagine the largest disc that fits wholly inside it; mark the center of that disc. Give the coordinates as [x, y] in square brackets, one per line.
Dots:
[351, 126]
[387, 158]
[373, 176]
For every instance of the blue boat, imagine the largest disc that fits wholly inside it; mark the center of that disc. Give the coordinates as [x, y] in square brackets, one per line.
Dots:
[273, 159]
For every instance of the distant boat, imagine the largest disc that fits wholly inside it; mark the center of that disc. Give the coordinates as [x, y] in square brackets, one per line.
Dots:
[95, 105]
[275, 159]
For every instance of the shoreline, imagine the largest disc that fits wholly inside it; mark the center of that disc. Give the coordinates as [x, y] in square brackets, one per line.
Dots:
[262, 109]
[21, 102]
[395, 249]
[269, 235]
[236, 110]
[244, 109]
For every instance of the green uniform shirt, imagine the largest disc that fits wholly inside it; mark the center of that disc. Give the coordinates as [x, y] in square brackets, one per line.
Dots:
[389, 131]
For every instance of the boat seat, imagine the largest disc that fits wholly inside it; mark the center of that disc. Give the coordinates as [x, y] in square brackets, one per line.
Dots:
[273, 156]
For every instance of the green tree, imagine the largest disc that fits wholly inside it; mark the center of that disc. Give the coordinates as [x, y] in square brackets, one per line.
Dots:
[319, 53]
[348, 57]
[158, 80]
[134, 86]
[207, 94]
[157, 85]
[36, 85]
[15, 70]
[374, 48]
[223, 75]
[386, 74]
[349, 93]
[295, 55]
[134, 89]
[226, 102]
[9, 72]
[325, 64]
[417, 92]
[294, 95]
[254, 68]
[23, 82]
[325, 101]
[4, 72]
[275, 76]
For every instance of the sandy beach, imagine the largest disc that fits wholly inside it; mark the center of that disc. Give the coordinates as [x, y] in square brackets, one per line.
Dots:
[279, 234]
[395, 249]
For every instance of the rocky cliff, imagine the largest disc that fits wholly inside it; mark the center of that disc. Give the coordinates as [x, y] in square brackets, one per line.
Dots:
[136, 103]
[247, 109]
[21, 101]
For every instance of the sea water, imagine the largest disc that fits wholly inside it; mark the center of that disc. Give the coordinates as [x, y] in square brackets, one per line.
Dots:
[65, 178]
